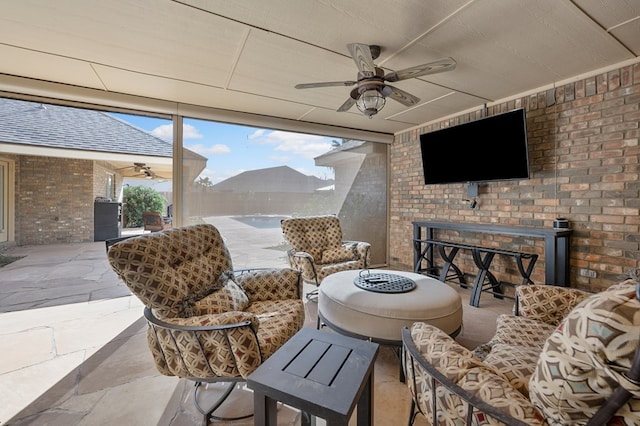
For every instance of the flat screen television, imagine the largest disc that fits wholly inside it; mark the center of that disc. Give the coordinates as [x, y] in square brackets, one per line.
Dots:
[489, 149]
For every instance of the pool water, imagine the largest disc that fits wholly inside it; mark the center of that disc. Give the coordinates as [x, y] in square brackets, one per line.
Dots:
[260, 221]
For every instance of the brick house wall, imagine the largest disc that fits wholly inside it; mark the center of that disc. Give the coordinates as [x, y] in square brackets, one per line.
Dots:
[583, 151]
[54, 200]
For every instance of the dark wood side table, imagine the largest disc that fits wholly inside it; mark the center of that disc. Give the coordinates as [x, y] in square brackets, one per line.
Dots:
[321, 373]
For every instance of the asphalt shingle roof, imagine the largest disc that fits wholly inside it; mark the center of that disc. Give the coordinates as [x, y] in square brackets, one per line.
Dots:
[273, 179]
[53, 126]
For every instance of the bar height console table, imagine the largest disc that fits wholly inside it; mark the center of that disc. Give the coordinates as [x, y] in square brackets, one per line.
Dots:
[556, 244]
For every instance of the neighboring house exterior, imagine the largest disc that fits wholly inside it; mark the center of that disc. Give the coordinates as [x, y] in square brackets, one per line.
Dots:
[55, 161]
[276, 190]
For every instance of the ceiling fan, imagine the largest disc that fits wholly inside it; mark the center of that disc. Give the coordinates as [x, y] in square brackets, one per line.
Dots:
[371, 88]
[143, 171]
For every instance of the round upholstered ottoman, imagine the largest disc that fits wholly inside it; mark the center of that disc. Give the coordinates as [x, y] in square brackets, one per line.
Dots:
[380, 316]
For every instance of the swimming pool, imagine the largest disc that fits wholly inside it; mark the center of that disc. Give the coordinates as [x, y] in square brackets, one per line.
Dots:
[261, 221]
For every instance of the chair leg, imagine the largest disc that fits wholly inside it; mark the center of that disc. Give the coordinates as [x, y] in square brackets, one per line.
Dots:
[312, 296]
[208, 414]
[398, 352]
[412, 412]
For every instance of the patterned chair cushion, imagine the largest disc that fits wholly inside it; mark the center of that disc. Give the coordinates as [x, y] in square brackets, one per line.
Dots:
[229, 298]
[440, 350]
[279, 321]
[539, 310]
[515, 363]
[460, 366]
[317, 249]
[185, 276]
[547, 303]
[535, 371]
[521, 331]
[313, 235]
[231, 353]
[303, 262]
[329, 269]
[206, 354]
[339, 254]
[513, 330]
[449, 358]
[493, 389]
[271, 284]
[170, 269]
[586, 358]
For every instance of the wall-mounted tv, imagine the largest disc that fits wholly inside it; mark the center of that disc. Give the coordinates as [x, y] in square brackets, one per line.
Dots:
[489, 149]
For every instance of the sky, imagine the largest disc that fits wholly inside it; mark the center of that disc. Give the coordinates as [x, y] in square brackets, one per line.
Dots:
[233, 149]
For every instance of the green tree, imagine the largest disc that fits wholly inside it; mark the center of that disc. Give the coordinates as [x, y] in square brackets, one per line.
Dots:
[204, 182]
[140, 199]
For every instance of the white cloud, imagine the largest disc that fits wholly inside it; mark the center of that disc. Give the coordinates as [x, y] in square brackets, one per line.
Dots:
[258, 133]
[217, 149]
[190, 132]
[307, 146]
[166, 132]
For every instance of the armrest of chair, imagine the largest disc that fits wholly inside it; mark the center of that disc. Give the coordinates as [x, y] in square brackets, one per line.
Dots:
[209, 322]
[270, 284]
[303, 262]
[547, 303]
[300, 255]
[203, 346]
[465, 379]
[363, 249]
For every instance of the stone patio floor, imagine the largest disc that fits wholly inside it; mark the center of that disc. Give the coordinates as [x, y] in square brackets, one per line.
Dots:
[75, 348]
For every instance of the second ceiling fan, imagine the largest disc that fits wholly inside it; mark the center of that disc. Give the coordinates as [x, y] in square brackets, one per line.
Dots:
[142, 170]
[371, 89]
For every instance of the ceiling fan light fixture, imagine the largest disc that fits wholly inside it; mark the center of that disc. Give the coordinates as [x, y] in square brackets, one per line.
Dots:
[370, 91]
[370, 102]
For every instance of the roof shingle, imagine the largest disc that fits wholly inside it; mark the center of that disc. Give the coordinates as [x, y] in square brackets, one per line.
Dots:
[53, 126]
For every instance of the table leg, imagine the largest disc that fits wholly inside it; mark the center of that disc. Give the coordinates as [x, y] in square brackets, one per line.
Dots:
[265, 409]
[307, 419]
[365, 403]
[448, 264]
[483, 272]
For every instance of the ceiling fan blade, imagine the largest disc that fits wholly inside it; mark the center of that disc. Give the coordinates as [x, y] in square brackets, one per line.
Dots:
[361, 54]
[441, 65]
[406, 99]
[347, 105]
[325, 84]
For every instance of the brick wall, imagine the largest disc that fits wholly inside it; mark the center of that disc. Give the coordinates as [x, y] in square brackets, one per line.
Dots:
[583, 150]
[54, 200]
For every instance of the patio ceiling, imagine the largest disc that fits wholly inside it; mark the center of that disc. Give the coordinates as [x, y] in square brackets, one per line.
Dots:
[247, 56]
